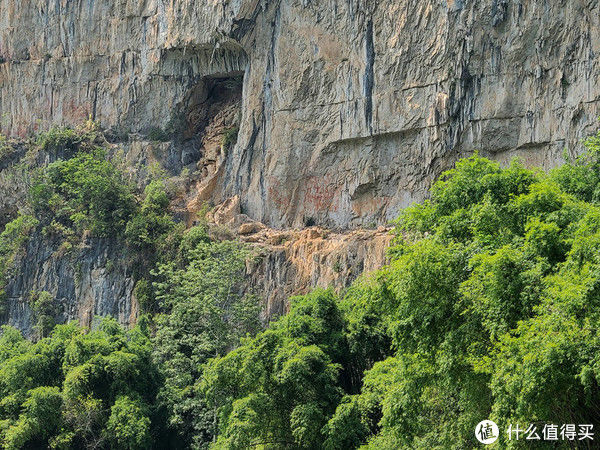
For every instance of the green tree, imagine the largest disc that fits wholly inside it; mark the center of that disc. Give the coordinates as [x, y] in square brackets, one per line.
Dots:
[85, 192]
[207, 313]
[153, 222]
[128, 426]
[80, 389]
[279, 388]
[44, 310]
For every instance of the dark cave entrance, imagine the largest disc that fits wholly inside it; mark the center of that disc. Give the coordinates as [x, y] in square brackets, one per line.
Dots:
[209, 121]
[213, 104]
[205, 123]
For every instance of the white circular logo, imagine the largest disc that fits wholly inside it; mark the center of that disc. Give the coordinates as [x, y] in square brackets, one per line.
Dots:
[486, 432]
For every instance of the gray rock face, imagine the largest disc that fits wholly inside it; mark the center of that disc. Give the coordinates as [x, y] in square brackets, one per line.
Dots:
[359, 105]
[349, 108]
[91, 281]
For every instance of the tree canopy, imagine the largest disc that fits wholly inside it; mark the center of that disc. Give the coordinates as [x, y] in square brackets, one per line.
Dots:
[489, 308]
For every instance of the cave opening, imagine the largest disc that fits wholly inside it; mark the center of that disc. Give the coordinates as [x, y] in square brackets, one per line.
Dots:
[207, 129]
[213, 105]
[211, 119]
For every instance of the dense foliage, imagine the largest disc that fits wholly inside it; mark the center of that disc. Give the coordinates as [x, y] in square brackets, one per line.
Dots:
[489, 308]
[189, 289]
[78, 389]
[206, 315]
[85, 192]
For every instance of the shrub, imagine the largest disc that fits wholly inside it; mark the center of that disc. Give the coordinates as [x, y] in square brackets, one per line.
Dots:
[152, 222]
[230, 136]
[66, 141]
[86, 192]
[5, 147]
[44, 310]
[158, 134]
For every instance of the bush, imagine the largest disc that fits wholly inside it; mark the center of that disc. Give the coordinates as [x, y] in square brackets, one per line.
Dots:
[44, 310]
[66, 141]
[152, 222]
[5, 147]
[158, 134]
[230, 136]
[86, 192]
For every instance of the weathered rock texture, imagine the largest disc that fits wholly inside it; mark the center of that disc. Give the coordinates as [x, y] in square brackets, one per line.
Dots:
[294, 262]
[347, 110]
[291, 262]
[350, 108]
[92, 280]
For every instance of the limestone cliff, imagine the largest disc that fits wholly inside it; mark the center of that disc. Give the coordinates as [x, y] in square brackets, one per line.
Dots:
[94, 281]
[349, 108]
[346, 110]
